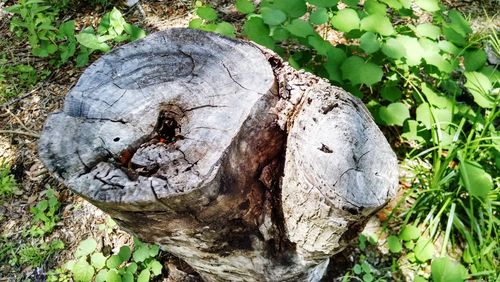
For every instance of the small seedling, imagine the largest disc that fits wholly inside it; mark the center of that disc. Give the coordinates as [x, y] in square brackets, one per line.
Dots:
[125, 265]
[45, 215]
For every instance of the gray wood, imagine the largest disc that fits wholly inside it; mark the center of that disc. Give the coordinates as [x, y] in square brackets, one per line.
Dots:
[182, 138]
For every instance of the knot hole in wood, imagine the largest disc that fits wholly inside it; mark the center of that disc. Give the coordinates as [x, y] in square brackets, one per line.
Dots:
[169, 123]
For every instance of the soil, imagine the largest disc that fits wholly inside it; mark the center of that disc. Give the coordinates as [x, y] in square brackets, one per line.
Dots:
[22, 119]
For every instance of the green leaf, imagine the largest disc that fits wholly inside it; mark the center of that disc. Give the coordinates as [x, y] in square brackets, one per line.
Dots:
[319, 44]
[448, 47]
[477, 181]
[257, 31]
[91, 41]
[69, 265]
[351, 3]
[324, 3]
[394, 114]
[410, 245]
[67, 29]
[132, 267]
[491, 73]
[432, 56]
[414, 51]
[391, 93]
[156, 267]
[377, 23]
[272, 16]
[409, 232]
[368, 277]
[453, 36]
[440, 101]
[195, 23]
[346, 20]
[424, 249]
[83, 271]
[128, 277]
[141, 253]
[153, 250]
[98, 260]
[335, 57]
[444, 269]
[114, 261]
[356, 70]
[374, 7]
[293, 8]
[480, 86]
[394, 4]
[134, 33]
[357, 269]
[143, 276]
[411, 131]
[82, 59]
[419, 278]
[474, 59]
[428, 5]
[124, 253]
[116, 21]
[280, 34]
[245, 6]
[206, 13]
[394, 244]
[318, 16]
[440, 117]
[300, 28]
[428, 30]
[393, 48]
[101, 275]
[459, 23]
[113, 276]
[85, 247]
[226, 29]
[369, 42]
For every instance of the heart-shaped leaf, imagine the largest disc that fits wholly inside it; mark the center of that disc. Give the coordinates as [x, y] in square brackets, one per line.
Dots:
[377, 23]
[245, 6]
[394, 114]
[86, 247]
[356, 70]
[477, 181]
[444, 269]
[346, 20]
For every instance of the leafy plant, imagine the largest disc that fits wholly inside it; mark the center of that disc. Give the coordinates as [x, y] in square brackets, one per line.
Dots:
[37, 18]
[7, 180]
[364, 268]
[125, 265]
[45, 215]
[8, 254]
[430, 80]
[17, 78]
[112, 27]
[209, 21]
[35, 255]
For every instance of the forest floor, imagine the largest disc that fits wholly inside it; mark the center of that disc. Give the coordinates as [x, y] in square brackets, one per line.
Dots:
[22, 118]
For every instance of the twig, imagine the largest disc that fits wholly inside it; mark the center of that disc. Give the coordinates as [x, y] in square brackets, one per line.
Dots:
[13, 101]
[19, 132]
[18, 120]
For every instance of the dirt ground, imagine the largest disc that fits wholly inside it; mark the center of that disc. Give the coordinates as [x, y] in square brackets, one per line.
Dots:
[22, 119]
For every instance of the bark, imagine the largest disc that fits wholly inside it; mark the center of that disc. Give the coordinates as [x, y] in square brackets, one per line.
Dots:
[229, 159]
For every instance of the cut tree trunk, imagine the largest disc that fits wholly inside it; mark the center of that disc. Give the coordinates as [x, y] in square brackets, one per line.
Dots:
[229, 159]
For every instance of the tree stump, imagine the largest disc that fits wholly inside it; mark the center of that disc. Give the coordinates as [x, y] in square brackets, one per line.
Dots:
[243, 167]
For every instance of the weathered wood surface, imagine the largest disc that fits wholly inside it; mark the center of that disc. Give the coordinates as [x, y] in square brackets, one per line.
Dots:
[232, 161]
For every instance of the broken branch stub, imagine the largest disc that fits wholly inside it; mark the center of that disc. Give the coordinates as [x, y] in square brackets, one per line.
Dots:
[182, 138]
